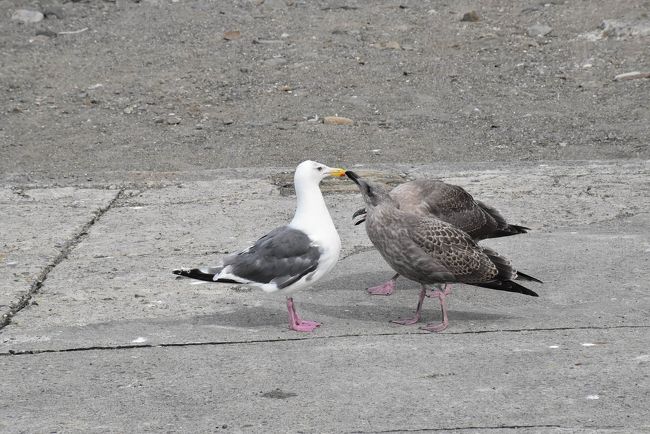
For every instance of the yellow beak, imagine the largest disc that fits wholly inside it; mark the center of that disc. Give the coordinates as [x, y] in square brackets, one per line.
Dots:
[335, 171]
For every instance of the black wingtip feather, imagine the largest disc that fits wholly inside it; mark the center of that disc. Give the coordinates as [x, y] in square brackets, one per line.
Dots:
[523, 276]
[508, 286]
[509, 231]
[194, 273]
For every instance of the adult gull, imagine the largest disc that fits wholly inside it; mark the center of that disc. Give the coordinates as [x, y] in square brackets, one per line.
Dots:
[449, 203]
[290, 257]
[431, 252]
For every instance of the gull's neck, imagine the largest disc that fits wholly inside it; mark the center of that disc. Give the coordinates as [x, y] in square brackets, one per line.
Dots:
[311, 215]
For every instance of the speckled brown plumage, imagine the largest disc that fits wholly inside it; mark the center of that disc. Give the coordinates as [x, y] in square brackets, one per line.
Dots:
[452, 204]
[430, 251]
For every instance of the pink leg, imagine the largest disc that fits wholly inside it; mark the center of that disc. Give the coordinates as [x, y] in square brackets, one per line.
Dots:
[416, 318]
[296, 323]
[443, 307]
[385, 288]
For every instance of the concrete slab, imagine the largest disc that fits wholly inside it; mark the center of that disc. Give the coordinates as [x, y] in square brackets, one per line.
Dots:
[113, 342]
[37, 224]
[116, 289]
[531, 381]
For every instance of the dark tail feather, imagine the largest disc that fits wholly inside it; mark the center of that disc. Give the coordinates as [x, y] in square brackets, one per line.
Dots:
[195, 273]
[507, 285]
[506, 274]
[508, 231]
[523, 276]
[504, 229]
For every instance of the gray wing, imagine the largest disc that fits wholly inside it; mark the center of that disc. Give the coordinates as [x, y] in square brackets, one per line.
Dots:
[454, 249]
[283, 256]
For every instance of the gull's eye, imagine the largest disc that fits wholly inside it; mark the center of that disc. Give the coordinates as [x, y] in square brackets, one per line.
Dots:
[319, 168]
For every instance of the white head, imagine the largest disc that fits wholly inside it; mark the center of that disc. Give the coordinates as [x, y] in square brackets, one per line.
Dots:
[313, 172]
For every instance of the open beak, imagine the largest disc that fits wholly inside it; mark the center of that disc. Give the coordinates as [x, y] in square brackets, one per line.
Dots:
[353, 176]
[335, 171]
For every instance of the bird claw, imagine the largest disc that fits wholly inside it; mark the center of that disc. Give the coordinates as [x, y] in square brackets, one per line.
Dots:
[383, 289]
[436, 328]
[304, 326]
[409, 321]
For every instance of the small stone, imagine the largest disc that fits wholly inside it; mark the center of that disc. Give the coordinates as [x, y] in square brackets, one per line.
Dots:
[632, 75]
[173, 121]
[27, 16]
[390, 45]
[53, 12]
[337, 120]
[40, 39]
[376, 151]
[128, 110]
[471, 16]
[624, 29]
[231, 35]
[539, 30]
[285, 88]
[46, 32]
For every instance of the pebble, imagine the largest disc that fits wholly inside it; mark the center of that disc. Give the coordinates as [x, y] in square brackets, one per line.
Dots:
[46, 32]
[173, 121]
[632, 75]
[539, 30]
[128, 110]
[623, 29]
[390, 45]
[53, 11]
[231, 35]
[471, 16]
[27, 16]
[337, 120]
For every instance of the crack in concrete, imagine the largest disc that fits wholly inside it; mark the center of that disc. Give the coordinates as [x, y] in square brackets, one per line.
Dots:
[499, 427]
[69, 245]
[461, 428]
[294, 339]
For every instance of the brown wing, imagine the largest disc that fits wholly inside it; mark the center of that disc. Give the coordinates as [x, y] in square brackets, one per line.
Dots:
[447, 202]
[454, 249]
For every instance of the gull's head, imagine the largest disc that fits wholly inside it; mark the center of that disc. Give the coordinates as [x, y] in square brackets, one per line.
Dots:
[373, 194]
[314, 172]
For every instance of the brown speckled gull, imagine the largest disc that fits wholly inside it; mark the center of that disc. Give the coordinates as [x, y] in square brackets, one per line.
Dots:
[432, 252]
[451, 204]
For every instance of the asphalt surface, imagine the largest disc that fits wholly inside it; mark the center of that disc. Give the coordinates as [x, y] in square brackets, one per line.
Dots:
[107, 339]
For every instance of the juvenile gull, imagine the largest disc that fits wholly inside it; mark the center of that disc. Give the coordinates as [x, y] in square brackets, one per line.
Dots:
[290, 257]
[432, 252]
[449, 203]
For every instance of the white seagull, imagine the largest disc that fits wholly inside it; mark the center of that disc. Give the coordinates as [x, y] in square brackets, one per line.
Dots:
[290, 257]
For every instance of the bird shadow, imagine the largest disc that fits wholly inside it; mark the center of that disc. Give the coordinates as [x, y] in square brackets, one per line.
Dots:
[388, 313]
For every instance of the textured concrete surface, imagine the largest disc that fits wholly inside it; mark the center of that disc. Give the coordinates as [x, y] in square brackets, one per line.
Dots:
[109, 340]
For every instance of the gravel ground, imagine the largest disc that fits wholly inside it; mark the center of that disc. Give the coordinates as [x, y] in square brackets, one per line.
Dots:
[168, 85]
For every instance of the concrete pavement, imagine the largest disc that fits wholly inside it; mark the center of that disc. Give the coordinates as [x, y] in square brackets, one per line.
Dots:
[99, 335]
